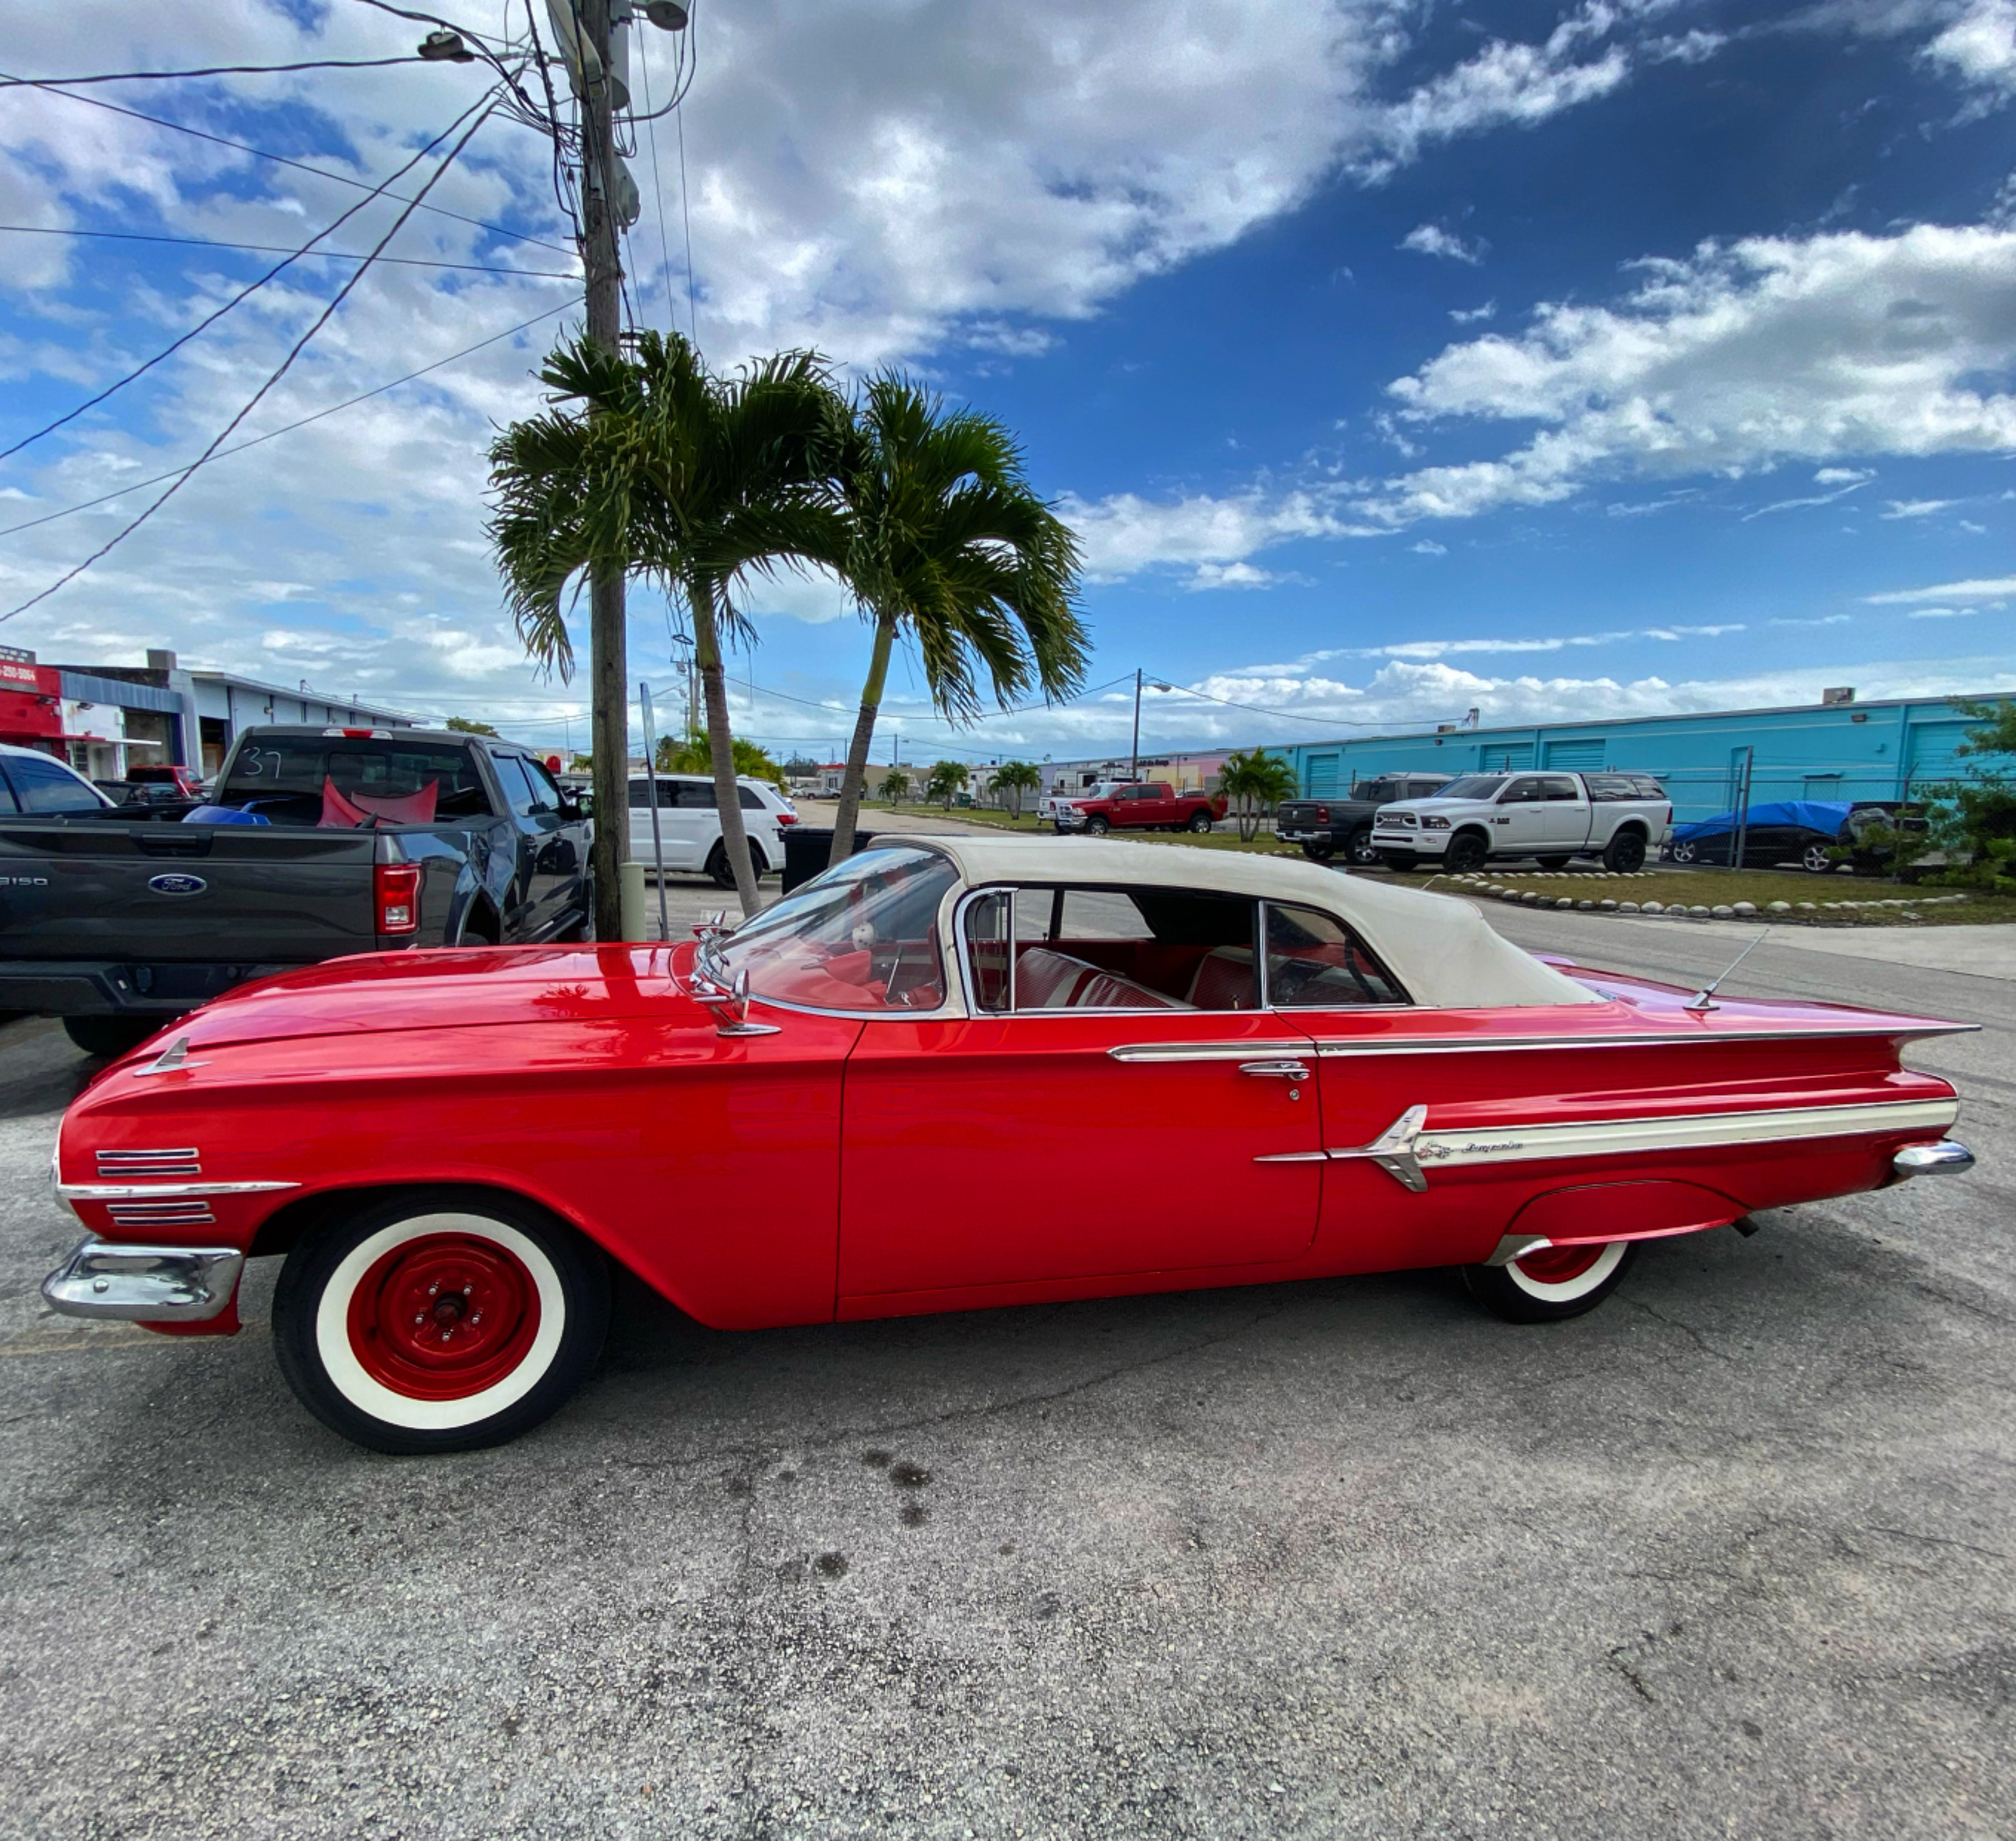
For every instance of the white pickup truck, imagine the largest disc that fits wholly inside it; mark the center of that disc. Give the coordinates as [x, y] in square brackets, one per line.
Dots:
[1620, 818]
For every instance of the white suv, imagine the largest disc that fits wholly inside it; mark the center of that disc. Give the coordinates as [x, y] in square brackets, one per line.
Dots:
[690, 826]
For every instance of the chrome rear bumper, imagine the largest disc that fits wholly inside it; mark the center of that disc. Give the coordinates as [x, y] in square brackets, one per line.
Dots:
[145, 1284]
[1944, 1158]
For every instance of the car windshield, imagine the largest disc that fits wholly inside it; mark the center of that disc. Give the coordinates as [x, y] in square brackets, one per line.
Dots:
[863, 937]
[1473, 786]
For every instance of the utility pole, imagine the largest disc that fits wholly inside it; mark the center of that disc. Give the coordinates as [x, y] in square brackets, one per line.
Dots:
[609, 665]
[1134, 753]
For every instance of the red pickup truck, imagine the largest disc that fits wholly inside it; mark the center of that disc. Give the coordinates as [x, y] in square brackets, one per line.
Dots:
[1144, 805]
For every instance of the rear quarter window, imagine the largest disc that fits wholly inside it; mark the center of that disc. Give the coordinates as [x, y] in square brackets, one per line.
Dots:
[290, 770]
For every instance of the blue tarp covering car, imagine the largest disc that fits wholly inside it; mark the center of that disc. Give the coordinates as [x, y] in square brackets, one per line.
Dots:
[1826, 816]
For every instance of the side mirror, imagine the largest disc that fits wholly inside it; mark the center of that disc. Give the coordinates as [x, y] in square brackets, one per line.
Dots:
[731, 1009]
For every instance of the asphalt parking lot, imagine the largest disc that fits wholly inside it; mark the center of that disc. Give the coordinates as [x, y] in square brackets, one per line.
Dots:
[1733, 1555]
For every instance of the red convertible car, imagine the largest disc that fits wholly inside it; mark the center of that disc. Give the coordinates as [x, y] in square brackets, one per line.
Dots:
[849, 1106]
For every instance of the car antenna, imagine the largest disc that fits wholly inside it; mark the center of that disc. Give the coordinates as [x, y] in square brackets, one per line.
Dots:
[1703, 999]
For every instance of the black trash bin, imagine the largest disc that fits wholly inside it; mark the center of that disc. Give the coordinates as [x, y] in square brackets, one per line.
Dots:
[806, 848]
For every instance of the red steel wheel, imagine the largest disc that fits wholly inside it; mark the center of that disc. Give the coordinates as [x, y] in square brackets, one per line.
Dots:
[1551, 1282]
[442, 1324]
[444, 1316]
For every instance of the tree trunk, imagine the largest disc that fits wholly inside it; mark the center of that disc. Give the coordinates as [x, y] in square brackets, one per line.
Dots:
[721, 745]
[853, 780]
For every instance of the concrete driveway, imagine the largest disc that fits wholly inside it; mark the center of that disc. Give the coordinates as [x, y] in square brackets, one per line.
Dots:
[1733, 1555]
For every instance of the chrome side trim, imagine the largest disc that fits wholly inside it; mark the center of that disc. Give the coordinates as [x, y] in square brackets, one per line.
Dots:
[1180, 1051]
[1944, 1158]
[1517, 1247]
[1295, 1157]
[1521, 1144]
[1404, 1148]
[145, 1284]
[116, 1192]
[1395, 1150]
[1507, 1044]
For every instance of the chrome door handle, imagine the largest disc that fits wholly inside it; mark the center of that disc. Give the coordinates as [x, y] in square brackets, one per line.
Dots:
[1280, 1070]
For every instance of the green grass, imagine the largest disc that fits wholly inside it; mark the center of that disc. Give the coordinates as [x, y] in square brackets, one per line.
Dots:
[1265, 844]
[1858, 901]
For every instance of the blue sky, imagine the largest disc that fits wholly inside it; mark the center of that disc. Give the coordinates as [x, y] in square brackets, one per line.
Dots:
[1391, 360]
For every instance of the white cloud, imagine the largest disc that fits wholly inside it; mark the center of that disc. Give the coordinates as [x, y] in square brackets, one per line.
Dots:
[1431, 239]
[1125, 534]
[1917, 508]
[1830, 348]
[1942, 614]
[1995, 588]
[1229, 575]
[1979, 47]
[1428, 547]
[1470, 316]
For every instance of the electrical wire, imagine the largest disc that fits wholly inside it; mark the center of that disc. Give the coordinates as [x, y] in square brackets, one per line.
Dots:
[285, 364]
[276, 249]
[243, 293]
[434, 18]
[215, 70]
[1292, 715]
[289, 427]
[301, 166]
[657, 185]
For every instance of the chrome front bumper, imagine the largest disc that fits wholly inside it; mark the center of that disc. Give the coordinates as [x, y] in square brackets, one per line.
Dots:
[1944, 1158]
[145, 1284]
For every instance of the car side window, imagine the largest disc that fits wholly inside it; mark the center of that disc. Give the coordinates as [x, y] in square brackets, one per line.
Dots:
[1560, 787]
[1314, 961]
[751, 800]
[517, 789]
[545, 788]
[48, 786]
[695, 796]
[1522, 793]
[1109, 949]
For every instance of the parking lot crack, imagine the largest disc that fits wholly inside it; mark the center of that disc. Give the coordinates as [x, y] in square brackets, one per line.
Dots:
[1686, 1329]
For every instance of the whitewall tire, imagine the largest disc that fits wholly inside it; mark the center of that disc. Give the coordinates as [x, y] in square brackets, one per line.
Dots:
[1552, 1282]
[436, 1323]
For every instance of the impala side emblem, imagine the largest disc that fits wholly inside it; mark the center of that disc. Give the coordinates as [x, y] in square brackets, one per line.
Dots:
[177, 884]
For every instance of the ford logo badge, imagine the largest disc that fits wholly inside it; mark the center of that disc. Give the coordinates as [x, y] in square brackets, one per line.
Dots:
[177, 884]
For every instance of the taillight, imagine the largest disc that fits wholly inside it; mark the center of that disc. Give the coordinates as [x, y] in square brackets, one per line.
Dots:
[398, 893]
[787, 817]
[1323, 815]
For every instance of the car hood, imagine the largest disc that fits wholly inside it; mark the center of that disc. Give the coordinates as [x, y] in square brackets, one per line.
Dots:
[374, 993]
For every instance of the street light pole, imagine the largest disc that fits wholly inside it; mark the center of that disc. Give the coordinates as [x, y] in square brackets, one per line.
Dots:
[1134, 753]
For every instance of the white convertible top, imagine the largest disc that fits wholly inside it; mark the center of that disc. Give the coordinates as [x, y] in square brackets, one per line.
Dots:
[1442, 949]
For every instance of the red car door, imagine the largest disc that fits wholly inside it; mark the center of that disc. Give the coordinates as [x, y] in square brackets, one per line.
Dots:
[1100, 1128]
[1379, 1212]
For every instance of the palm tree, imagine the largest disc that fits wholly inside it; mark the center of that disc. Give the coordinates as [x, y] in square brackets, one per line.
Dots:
[1016, 778]
[895, 783]
[946, 779]
[656, 466]
[1254, 780]
[945, 539]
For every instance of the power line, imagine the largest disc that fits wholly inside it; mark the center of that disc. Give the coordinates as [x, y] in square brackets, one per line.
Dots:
[250, 289]
[1291, 715]
[289, 427]
[276, 249]
[282, 160]
[215, 70]
[322, 319]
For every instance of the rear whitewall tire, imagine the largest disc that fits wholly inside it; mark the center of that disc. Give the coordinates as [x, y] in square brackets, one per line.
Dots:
[1521, 1295]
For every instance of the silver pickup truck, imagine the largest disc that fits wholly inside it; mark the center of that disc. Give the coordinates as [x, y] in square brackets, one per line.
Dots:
[319, 841]
[1551, 818]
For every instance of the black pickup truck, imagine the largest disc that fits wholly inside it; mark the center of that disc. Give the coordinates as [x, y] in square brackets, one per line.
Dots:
[319, 843]
[1323, 827]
